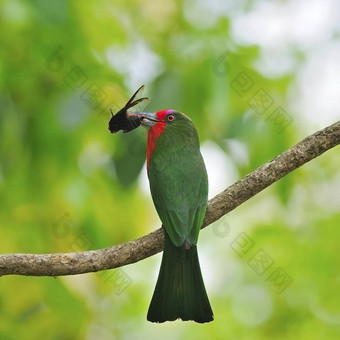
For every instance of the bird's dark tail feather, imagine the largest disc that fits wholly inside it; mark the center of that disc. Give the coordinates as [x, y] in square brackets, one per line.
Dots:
[180, 291]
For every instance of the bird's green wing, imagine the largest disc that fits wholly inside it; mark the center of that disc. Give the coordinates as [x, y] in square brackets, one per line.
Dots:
[180, 195]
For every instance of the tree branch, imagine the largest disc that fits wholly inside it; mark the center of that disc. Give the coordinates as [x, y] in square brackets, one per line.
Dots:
[116, 256]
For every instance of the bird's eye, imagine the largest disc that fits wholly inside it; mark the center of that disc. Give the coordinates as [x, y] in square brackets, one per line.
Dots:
[170, 118]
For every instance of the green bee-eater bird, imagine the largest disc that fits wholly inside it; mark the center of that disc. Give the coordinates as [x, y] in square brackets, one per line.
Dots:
[179, 189]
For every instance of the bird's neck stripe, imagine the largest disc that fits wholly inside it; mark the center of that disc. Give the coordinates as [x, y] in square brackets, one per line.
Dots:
[153, 134]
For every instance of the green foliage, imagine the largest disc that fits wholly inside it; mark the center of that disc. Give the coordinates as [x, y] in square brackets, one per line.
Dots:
[67, 184]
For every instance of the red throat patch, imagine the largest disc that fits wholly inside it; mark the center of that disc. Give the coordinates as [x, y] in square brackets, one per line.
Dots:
[153, 134]
[155, 131]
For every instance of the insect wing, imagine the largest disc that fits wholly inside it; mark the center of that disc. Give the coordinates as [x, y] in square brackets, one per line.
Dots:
[133, 121]
[125, 121]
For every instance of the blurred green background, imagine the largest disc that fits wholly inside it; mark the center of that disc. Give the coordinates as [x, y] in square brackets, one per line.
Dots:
[255, 76]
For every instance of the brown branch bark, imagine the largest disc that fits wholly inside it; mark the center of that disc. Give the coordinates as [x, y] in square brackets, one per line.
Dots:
[120, 255]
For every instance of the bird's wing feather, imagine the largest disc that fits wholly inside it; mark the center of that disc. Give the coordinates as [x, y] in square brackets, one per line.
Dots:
[180, 198]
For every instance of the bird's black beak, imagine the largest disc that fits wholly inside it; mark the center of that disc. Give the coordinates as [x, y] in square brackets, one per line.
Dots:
[147, 119]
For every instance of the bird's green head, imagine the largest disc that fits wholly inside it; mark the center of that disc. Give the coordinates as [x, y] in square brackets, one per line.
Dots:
[176, 127]
[170, 123]
[165, 117]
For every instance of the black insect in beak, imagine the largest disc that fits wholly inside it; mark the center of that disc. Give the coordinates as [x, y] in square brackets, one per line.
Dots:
[124, 120]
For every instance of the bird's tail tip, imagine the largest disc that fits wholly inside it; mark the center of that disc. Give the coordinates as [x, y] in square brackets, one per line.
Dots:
[180, 292]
